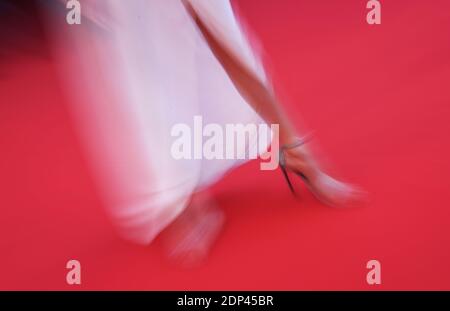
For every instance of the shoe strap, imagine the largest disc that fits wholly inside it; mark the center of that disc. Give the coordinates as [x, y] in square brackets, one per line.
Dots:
[299, 141]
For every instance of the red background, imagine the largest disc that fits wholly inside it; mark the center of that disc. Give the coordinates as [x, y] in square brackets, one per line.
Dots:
[379, 100]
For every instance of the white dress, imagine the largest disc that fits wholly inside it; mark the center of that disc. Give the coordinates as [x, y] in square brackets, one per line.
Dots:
[136, 68]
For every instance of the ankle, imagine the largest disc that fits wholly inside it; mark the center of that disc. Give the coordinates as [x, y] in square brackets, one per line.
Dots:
[288, 140]
[299, 159]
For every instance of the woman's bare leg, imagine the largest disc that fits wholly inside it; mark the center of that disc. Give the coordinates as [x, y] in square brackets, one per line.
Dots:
[259, 95]
[264, 101]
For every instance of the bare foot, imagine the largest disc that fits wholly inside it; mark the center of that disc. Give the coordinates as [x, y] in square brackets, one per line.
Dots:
[188, 239]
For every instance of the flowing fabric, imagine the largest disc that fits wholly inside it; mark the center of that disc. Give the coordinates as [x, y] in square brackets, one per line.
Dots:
[139, 67]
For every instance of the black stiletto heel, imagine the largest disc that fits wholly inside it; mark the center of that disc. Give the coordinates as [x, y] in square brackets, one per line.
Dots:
[282, 163]
[286, 176]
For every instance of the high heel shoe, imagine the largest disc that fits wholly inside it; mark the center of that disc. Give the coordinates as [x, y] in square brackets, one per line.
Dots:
[325, 188]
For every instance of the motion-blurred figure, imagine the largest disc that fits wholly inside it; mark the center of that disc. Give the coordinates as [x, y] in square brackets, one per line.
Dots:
[136, 69]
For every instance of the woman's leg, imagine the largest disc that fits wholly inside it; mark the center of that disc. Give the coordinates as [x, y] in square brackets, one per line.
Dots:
[188, 239]
[257, 93]
[264, 101]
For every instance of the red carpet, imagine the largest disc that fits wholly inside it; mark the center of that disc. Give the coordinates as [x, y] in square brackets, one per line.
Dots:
[379, 100]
